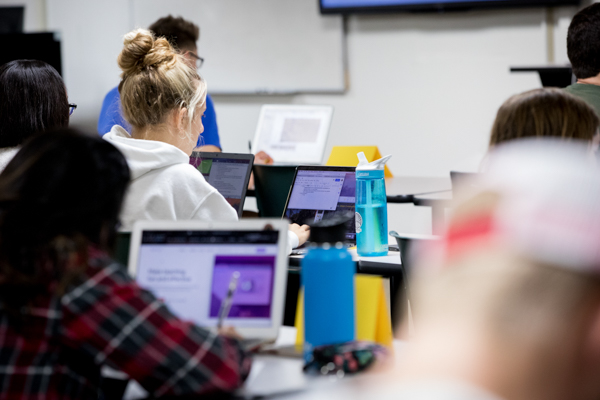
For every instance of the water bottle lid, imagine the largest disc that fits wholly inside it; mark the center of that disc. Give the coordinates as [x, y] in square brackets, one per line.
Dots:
[330, 230]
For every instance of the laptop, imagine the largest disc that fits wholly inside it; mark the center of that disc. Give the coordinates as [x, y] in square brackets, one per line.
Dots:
[293, 134]
[229, 173]
[320, 192]
[190, 265]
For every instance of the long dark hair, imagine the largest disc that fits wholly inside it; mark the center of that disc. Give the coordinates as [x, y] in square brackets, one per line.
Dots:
[33, 99]
[60, 194]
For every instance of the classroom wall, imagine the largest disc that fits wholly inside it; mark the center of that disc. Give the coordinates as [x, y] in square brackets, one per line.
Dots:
[424, 88]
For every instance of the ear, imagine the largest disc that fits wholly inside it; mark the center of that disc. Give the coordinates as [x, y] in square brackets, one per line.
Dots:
[181, 118]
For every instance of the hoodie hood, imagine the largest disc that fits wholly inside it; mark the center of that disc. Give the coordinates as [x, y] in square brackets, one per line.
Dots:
[144, 156]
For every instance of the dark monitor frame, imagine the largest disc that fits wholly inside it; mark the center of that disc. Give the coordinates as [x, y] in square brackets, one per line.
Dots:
[442, 6]
[230, 156]
[44, 46]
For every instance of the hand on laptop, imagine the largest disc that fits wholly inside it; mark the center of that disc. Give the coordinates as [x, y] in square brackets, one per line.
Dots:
[303, 232]
[230, 332]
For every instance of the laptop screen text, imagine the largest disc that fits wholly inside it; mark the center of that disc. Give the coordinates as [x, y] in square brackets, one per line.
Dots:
[318, 195]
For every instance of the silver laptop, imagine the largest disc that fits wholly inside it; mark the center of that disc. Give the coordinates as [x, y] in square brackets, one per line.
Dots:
[190, 265]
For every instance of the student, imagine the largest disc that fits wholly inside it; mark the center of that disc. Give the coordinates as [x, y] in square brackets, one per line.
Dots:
[67, 309]
[33, 99]
[583, 47]
[183, 35]
[163, 100]
[544, 113]
[539, 113]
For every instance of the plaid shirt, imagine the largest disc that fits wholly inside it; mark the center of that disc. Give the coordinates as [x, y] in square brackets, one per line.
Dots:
[109, 319]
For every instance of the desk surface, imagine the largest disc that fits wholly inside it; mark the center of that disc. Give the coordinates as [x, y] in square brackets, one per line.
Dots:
[416, 185]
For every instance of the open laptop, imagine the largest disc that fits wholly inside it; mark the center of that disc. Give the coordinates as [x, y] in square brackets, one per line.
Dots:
[229, 173]
[190, 264]
[320, 192]
[293, 134]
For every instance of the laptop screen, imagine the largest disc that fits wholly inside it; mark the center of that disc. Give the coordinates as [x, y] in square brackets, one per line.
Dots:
[318, 194]
[191, 271]
[229, 174]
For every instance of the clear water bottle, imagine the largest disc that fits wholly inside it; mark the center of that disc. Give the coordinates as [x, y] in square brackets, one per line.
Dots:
[328, 281]
[371, 207]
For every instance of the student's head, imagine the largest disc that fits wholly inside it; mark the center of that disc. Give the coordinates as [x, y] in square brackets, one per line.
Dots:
[33, 99]
[544, 113]
[514, 299]
[61, 193]
[583, 42]
[158, 89]
[183, 36]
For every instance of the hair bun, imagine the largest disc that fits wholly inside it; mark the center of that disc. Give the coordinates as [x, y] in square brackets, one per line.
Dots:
[141, 50]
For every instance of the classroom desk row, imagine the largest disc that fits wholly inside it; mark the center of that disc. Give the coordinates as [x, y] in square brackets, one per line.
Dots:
[434, 192]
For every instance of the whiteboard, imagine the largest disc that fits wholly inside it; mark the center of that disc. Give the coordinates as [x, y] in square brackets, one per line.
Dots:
[260, 46]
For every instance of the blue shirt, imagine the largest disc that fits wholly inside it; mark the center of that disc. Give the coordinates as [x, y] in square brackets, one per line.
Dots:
[111, 115]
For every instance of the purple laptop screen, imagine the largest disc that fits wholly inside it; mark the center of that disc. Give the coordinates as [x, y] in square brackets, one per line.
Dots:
[252, 298]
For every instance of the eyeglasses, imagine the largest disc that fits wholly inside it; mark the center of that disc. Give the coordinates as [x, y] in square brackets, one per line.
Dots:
[72, 108]
[199, 60]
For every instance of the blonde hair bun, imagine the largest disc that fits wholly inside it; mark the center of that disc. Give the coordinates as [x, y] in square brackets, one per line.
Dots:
[141, 49]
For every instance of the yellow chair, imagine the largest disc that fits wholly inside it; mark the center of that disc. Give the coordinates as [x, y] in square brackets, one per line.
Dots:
[373, 321]
[345, 156]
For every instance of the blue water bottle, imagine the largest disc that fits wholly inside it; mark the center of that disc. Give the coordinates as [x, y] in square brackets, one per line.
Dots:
[371, 207]
[328, 281]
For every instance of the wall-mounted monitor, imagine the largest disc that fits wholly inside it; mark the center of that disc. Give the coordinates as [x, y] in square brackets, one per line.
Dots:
[382, 6]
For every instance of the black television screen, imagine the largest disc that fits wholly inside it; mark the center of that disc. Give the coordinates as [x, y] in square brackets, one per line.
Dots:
[374, 6]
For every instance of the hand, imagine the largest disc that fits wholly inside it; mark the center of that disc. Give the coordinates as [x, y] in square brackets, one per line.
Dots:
[230, 332]
[262, 158]
[303, 232]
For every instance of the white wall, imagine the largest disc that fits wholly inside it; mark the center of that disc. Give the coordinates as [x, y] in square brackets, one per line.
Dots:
[424, 88]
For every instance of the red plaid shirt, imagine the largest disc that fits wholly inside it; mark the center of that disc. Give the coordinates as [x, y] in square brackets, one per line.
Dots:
[109, 319]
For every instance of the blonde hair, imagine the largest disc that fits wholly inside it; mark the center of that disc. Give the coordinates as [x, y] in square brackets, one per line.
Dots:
[155, 80]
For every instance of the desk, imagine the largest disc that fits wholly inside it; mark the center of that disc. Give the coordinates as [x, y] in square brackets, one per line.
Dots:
[434, 192]
[416, 185]
[281, 377]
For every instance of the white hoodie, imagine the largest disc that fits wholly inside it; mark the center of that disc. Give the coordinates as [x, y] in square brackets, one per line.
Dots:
[164, 186]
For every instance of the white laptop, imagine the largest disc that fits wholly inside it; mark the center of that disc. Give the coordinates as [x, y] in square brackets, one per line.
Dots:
[190, 264]
[293, 134]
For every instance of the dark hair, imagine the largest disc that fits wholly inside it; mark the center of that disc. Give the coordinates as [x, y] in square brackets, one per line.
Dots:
[583, 42]
[544, 112]
[33, 99]
[61, 193]
[179, 32]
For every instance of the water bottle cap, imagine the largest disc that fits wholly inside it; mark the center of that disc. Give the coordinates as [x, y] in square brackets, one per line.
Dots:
[365, 165]
[330, 230]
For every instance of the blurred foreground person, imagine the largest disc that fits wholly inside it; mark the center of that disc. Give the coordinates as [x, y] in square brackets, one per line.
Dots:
[67, 309]
[507, 305]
